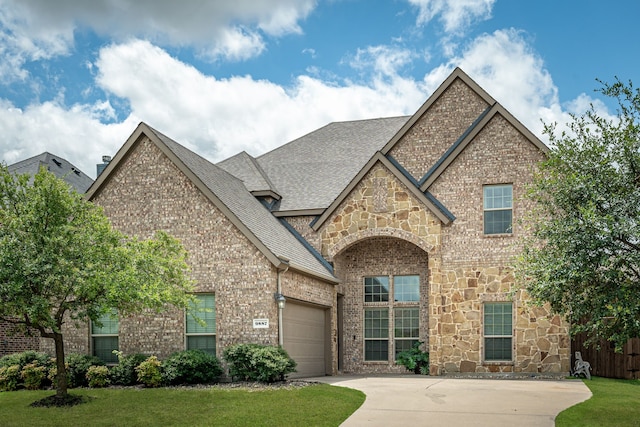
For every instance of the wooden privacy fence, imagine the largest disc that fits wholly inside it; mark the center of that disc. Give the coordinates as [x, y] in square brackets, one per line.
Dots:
[605, 362]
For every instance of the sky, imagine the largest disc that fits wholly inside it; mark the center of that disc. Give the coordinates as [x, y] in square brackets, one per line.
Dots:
[220, 77]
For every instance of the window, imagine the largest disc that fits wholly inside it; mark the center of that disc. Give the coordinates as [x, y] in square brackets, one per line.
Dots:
[407, 328]
[202, 337]
[498, 209]
[104, 339]
[498, 331]
[405, 310]
[376, 289]
[376, 334]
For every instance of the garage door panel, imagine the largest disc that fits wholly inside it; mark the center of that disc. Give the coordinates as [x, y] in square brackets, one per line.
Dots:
[304, 338]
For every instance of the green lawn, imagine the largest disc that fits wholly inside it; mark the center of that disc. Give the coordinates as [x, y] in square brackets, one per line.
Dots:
[614, 403]
[315, 405]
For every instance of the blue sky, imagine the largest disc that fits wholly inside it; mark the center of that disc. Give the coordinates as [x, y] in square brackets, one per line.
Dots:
[77, 76]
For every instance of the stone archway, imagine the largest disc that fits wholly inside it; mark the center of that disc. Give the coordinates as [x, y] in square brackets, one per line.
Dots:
[379, 256]
[361, 235]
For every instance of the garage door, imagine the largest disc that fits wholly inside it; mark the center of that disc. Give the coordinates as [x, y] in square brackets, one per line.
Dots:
[304, 338]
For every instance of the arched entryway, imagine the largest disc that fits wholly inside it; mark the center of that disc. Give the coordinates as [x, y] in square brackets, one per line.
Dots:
[383, 302]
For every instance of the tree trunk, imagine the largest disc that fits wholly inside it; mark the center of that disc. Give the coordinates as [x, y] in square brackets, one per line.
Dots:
[61, 377]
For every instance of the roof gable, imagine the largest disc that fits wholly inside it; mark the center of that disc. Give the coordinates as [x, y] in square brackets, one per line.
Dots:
[435, 207]
[246, 168]
[231, 197]
[465, 139]
[457, 74]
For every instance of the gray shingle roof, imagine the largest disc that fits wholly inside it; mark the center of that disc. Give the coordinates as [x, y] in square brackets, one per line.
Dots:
[246, 168]
[248, 210]
[58, 166]
[311, 171]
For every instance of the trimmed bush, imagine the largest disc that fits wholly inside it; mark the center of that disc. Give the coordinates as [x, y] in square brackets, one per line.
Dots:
[124, 373]
[42, 364]
[26, 357]
[77, 367]
[149, 372]
[9, 377]
[191, 367]
[33, 374]
[255, 362]
[97, 376]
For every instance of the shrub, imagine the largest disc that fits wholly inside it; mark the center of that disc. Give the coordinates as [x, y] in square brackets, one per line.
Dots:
[414, 359]
[77, 367]
[124, 373]
[9, 377]
[255, 362]
[149, 372]
[97, 376]
[191, 367]
[26, 357]
[33, 374]
[43, 360]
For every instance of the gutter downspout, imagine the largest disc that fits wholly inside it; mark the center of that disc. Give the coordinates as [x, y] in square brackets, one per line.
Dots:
[282, 268]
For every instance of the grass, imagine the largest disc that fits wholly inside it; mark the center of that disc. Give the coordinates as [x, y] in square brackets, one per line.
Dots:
[315, 405]
[614, 403]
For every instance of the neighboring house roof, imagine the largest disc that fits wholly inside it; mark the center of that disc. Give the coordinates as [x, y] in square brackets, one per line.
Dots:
[57, 165]
[311, 171]
[228, 194]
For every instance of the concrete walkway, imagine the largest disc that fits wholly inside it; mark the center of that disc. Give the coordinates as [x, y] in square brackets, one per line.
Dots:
[436, 401]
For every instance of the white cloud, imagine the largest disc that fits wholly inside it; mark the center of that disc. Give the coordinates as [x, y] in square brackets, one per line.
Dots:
[40, 29]
[217, 118]
[382, 60]
[505, 65]
[220, 117]
[455, 15]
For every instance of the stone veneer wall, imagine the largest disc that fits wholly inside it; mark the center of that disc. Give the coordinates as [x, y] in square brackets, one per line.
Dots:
[376, 256]
[148, 193]
[380, 205]
[443, 123]
[466, 268]
[540, 342]
[381, 210]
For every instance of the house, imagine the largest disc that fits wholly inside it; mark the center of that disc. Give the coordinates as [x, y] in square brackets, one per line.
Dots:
[378, 233]
[11, 342]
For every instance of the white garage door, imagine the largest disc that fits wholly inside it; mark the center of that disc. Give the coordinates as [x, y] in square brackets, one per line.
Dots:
[304, 338]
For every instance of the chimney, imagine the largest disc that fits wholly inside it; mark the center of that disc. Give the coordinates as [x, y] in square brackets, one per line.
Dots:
[101, 166]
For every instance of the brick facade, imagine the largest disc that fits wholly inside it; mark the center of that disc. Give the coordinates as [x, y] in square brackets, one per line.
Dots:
[402, 215]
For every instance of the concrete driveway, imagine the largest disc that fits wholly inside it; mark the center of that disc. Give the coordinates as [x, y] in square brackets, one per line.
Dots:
[437, 401]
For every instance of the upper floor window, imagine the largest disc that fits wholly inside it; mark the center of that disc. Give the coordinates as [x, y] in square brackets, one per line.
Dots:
[498, 209]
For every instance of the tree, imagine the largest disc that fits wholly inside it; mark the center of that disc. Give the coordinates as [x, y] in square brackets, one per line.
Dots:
[584, 254]
[62, 260]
